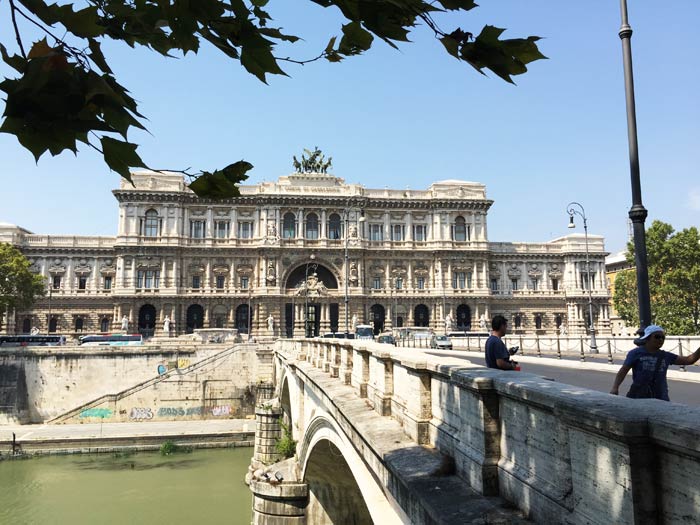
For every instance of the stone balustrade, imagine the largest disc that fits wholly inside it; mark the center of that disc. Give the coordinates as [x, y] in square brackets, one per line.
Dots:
[561, 454]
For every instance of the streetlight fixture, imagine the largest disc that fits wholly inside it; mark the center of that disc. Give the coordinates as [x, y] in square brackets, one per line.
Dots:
[346, 217]
[309, 264]
[571, 210]
[637, 213]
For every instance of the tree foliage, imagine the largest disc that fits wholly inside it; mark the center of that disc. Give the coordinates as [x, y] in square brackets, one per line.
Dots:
[66, 92]
[674, 280]
[19, 287]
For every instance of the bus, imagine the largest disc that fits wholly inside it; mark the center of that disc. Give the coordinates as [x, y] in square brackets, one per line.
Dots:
[32, 340]
[364, 331]
[112, 340]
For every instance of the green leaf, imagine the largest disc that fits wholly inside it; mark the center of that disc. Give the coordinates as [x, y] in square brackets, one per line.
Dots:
[221, 184]
[16, 62]
[97, 57]
[120, 156]
[355, 39]
[458, 5]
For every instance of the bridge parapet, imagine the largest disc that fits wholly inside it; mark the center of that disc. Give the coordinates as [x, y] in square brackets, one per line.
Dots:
[560, 453]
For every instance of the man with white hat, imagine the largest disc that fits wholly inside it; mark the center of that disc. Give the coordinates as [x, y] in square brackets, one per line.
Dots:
[649, 365]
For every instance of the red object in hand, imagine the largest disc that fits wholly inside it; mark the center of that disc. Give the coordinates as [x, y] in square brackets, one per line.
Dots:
[517, 368]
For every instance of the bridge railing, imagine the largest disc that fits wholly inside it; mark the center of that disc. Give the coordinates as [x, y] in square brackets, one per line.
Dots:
[560, 453]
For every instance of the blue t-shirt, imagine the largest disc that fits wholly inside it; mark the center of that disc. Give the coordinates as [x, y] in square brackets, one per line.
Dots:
[643, 364]
[495, 349]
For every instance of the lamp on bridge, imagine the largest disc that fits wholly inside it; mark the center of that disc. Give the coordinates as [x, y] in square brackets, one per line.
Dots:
[314, 266]
[571, 210]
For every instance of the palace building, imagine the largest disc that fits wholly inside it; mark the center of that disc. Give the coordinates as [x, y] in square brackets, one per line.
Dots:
[308, 246]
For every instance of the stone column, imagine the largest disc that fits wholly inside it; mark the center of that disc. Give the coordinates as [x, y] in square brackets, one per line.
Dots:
[267, 432]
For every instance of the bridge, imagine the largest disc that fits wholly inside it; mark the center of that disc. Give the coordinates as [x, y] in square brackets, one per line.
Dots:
[393, 435]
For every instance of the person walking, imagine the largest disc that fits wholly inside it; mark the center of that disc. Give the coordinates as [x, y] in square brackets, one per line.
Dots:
[649, 365]
[497, 355]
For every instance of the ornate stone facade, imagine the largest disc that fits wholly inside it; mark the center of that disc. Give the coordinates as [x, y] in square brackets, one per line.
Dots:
[307, 243]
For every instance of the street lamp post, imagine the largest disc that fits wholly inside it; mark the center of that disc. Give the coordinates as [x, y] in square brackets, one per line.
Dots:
[571, 210]
[637, 213]
[347, 264]
[309, 264]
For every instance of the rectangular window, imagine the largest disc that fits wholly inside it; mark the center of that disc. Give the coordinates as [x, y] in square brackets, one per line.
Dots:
[56, 282]
[494, 285]
[196, 281]
[376, 283]
[221, 229]
[469, 280]
[419, 233]
[399, 283]
[420, 283]
[220, 281]
[376, 232]
[82, 283]
[245, 230]
[107, 282]
[397, 231]
[534, 283]
[197, 229]
[148, 279]
[555, 284]
[244, 282]
[459, 280]
[513, 284]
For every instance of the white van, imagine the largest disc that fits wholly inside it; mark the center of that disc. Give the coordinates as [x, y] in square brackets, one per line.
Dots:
[364, 331]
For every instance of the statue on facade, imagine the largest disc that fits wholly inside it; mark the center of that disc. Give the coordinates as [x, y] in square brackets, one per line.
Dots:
[34, 331]
[271, 324]
[353, 273]
[353, 231]
[448, 323]
[271, 229]
[312, 287]
[315, 163]
[482, 322]
[166, 325]
[354, 322]
[563, 330]
[271, 274]
[125, 324]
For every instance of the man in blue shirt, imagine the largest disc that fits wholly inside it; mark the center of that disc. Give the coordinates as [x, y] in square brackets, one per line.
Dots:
[649, 364]
[497, 355]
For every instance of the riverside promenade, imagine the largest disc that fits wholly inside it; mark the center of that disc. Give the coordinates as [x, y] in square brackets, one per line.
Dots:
[111, 437]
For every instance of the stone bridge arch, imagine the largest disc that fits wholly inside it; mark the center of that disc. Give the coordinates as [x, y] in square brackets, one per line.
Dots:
[341, 487]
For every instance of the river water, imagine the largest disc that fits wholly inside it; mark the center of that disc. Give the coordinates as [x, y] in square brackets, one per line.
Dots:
[203, 487]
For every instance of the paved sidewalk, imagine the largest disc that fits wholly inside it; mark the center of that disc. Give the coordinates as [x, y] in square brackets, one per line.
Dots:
[673, 373]
[26, 433]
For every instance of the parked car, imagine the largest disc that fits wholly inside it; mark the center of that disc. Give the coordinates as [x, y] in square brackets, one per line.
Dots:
[441, 342]
[387, 339]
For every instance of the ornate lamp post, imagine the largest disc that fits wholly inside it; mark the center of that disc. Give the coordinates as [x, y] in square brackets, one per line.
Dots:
[637, 213]
[571, 210]
[309, 264]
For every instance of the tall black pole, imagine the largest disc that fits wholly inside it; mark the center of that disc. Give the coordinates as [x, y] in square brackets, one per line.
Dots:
[638, 212]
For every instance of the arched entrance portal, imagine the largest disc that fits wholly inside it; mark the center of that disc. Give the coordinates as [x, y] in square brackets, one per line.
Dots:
[244, 318]
[195, 318]
[334, 495]
[421, 315]
[377, 316]
[147, 320]
[464, 318]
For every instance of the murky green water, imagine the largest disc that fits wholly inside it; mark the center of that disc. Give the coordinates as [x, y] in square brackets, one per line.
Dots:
[203, 487]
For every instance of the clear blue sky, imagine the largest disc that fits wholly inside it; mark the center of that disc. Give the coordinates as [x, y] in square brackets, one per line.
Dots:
[410, 117]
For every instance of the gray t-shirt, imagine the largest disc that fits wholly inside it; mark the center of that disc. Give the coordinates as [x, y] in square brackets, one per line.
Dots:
[643, 364]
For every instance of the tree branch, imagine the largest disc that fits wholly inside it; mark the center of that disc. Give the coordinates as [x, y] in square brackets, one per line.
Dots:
[13, 8]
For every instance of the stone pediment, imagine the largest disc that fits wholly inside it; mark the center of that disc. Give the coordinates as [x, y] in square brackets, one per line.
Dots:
[148, 263]
[514, 270]
[534, 271]
[555, 270]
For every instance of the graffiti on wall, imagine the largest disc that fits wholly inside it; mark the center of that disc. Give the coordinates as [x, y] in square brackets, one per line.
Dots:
[140, 413]
[102, 413]
[220, 411]
[170, 365]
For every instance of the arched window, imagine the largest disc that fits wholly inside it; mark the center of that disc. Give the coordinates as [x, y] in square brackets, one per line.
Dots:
[150, 224]
[104, 325]
[538, 321]
[312, 226]
[460, 229]
[421, 315]
[79, 324]
[518, 321]
[334, 227]
[26, 325]
[53, 323]
[289, 230]
[558, 320]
